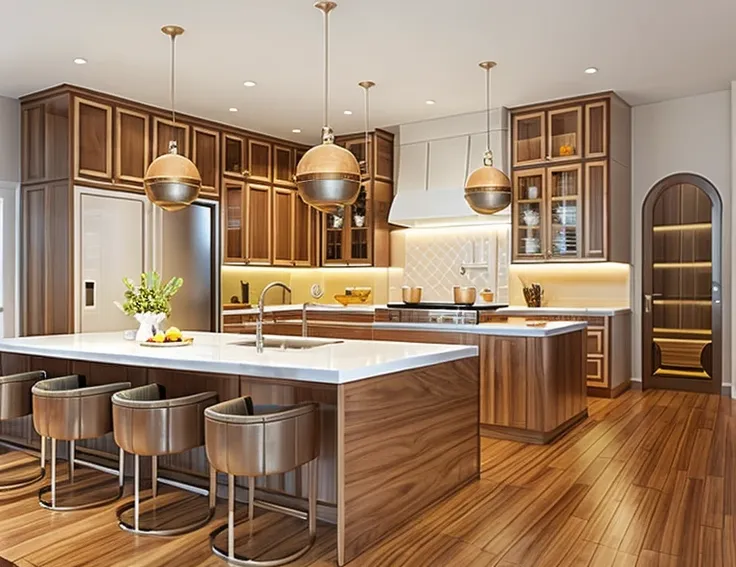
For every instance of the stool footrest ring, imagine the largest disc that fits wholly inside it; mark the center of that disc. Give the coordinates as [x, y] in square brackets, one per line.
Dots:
[21, 483]
[243, 561]
[128, 527]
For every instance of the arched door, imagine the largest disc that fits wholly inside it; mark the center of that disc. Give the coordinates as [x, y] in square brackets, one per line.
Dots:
[681, 323]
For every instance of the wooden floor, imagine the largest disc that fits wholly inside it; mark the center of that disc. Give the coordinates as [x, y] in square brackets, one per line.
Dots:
[649, 480]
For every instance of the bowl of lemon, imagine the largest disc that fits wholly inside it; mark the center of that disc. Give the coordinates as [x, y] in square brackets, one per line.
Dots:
[172, 337]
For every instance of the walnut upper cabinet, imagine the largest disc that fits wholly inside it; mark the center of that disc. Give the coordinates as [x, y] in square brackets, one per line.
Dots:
[45, 140]
[206, 156]
[259, 161]
[284, 166]
[283, 224]
[233, 210]
[93, 134]
[571, 180]
[132, 146]
[165, 131]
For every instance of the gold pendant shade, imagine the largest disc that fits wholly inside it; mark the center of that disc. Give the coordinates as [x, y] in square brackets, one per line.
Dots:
[328, 176]
[172, 181]
[488, 189]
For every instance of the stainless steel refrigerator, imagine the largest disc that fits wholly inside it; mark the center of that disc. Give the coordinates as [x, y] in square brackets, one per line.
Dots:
[121, 235]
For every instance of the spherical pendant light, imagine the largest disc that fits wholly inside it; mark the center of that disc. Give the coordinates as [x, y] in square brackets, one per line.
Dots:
[488, 190]
[172, 181]
[328, 175]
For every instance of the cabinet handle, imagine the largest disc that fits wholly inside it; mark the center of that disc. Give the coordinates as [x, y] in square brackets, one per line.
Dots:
[647, 303]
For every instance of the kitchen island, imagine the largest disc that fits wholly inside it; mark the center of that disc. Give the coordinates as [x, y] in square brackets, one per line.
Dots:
[399, 420]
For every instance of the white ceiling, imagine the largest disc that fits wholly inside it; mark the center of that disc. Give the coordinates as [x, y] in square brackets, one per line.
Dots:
[647, 50]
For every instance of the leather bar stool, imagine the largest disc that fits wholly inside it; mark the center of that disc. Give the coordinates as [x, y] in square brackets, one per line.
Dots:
[15, 402]
[147, 424]
[67, 409]
[243, 440]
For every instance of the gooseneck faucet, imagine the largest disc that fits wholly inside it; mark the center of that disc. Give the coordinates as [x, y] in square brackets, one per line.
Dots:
[259, 321]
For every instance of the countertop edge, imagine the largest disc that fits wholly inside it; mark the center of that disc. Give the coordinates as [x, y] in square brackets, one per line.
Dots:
[494, 329]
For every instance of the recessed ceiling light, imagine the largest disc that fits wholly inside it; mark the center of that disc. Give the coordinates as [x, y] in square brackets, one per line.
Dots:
[233, 109]
[297, 131]
[80, 61]
[347, 112]
[249, 84]
[591, 70]
[430, 102]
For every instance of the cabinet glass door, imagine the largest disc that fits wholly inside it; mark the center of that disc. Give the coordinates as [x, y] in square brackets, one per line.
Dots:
[563, 208]
[564, 128]
[529, 139]
[233, 156]
[233, 198]
[529, 214]
[359, 224]
[334, 249]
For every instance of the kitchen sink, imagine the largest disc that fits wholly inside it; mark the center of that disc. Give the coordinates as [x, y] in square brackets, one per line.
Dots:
[296, 343]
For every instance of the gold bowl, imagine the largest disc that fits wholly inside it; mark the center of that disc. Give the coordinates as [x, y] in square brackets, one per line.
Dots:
[345, 299]
[464, 295]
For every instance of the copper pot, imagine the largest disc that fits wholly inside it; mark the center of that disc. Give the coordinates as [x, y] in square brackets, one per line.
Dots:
[463, 295]
[411, 294]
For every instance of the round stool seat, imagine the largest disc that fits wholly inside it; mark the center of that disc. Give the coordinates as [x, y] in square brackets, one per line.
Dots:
[15, 402]
[246, 440]
[148, 423]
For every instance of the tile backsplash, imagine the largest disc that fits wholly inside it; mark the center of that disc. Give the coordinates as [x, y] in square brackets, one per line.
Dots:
[439, 258]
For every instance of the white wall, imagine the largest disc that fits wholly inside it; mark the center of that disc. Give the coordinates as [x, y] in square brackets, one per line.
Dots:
[9, 183]
[687, 135]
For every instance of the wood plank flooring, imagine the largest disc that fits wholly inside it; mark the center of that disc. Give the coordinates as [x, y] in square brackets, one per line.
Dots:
[648, 480]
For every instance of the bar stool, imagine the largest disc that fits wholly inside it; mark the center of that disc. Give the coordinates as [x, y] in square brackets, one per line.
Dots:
[146, 423]
[243, 440]
[15, 402]
[67, 409]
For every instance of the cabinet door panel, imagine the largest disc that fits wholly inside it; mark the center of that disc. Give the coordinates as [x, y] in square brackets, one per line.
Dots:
[564, 212]
[164, 131]
[596, 129]
[596, 209]
[283, 226]
[258, 226]
[529, 215]
[35, 226]
[304, 226]
[259, 155]
[384, 158]
[564, 130]
[33, 138]
[132, 150]
[233, 156]
[206, 156]
[283, 166]
[529, 139]
[233, 199]
[93, 139]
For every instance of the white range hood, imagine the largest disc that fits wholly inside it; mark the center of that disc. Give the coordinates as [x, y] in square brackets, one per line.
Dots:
[435, 158]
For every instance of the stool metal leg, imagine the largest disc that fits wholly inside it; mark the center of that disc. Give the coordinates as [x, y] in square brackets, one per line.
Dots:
[121, 470]
[52, 502]
[231, 516]
[71, 462]
[311, 516]
[154, 477]
[12, 485]
[136, 528]
[251, 496]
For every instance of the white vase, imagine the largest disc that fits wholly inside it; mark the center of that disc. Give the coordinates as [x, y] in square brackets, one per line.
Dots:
[148, 325]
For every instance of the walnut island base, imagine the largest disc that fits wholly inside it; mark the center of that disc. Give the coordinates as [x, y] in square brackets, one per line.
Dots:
[391, 445]
[533, 389]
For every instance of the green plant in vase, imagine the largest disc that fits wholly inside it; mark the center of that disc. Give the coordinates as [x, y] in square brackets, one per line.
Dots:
[149, 302]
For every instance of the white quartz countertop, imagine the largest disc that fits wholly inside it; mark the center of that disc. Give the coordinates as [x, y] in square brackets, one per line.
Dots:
[552, 328]
[327, 307]
[338, 363]
[594, 311]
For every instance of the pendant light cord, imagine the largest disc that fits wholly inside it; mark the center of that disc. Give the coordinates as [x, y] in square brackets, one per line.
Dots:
[326, 109]
[173, 73]
[488, 110]
[365, 111]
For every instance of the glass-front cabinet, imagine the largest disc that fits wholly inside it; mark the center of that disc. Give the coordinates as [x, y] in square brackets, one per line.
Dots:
[347, 233]
[571, 180]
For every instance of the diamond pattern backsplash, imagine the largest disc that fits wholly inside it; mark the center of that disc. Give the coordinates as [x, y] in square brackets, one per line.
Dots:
[434, 260]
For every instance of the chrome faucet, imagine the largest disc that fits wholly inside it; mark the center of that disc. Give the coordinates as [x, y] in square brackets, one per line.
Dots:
[259, 321]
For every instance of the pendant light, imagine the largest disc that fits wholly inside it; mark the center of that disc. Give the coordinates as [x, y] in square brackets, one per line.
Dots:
[488, 190]
[172, 181]
[328, 175]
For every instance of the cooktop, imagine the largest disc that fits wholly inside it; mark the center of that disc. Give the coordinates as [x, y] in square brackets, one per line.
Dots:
[449, 306]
